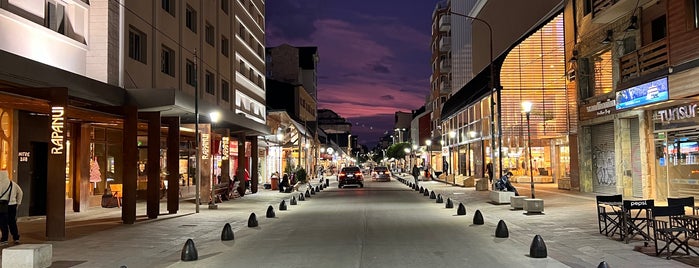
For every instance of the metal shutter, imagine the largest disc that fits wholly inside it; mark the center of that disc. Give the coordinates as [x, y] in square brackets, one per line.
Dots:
[603, 174]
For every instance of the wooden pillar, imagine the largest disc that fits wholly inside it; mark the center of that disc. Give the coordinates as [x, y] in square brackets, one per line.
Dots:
[153, 164]
[225, 155]
[254, 173]
[242, 164]
[56, 169]
[173, 157]
[205, 162]
[129, 166]
[81, 166]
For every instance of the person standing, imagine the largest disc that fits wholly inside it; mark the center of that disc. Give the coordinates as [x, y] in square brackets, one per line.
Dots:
[416, 173]
[8, 220]
[489, 170]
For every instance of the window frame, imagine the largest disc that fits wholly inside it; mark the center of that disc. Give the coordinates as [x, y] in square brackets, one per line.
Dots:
[225, 6]
[191, 73]
[210, 83]
[225, 46]
[209, 34]
[225, 90]
[168, 6]
[138, 45]
[167, 61]
[191, 19]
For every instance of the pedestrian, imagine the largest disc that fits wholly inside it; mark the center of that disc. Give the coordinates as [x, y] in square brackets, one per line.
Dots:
[284, 185]
[12, 195]
[416, 173]
[489, 170]
[504, 184]
[446, 168]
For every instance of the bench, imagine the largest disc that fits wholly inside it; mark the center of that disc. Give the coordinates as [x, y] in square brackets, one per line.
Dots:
[482, 184]
[534, 205]
[28, 255]
[517, 202]
[501, 197]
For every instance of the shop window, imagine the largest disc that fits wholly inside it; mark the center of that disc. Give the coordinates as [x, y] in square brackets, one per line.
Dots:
[137, 45]
[6, 140]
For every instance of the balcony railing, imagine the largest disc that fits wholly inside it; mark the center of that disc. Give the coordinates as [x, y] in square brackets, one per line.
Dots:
[445, 65]
[445, 44]
[647, 59]
[445, 23]
[445, 87]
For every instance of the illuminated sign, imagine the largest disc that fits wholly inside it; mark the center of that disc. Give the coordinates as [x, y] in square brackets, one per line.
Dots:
[23, 156]
[205, 146]
[677, 113]
[651, 92]
[225, 148]
[57, 130]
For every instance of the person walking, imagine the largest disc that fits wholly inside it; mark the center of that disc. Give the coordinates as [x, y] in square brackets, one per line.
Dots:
[416, 173]
[8, 219]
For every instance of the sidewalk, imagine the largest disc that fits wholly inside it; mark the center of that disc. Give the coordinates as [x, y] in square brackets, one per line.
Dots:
[568, 225]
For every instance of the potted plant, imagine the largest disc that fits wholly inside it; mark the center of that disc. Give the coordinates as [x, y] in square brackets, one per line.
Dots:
[301, 175]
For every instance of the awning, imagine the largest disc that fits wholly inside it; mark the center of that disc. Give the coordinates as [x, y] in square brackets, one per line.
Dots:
[300, 128]
[172, 102]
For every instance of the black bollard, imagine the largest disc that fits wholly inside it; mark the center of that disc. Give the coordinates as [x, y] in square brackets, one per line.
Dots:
[449, 203]
[537, 248]
[227, 233]
[501, 231]
[252, 220]
[302, 197]
[439, 199]
[293, 201]
[189, 251]
[422, 190]
[282, 205]
[432, 195]
[313, 191]
[603, 264]
[478, 218]
[461, 210]
[307, 194]
[318, 188]
[270, 212]
[426, 192]
[327, 182]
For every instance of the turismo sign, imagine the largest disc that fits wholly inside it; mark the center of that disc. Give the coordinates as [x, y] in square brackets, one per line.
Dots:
[651, 92]
[677, 113]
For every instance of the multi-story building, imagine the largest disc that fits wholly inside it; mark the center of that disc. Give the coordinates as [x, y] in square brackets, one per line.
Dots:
[87, 84]
[635, 67]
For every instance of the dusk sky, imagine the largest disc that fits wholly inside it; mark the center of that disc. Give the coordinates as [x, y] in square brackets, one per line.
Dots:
[374, 55]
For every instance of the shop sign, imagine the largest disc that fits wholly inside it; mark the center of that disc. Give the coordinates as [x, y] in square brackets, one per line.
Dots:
[205, 145]
[599, 108]
[24, 156]
[234, 147]
[445, 150]
[225, 149]
[57, 120]
[651, 92]
[677, 113]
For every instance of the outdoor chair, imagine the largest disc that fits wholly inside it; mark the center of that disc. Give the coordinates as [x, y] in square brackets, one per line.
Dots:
[691, 220]
[637, 219]
[609, 215]
[670, 231]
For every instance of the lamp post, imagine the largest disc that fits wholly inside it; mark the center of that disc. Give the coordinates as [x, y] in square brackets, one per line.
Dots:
[214, 116]
[429, 157]
[527, 109]
[197, 176]
[493, 90]
[407, 152]
[452, 136]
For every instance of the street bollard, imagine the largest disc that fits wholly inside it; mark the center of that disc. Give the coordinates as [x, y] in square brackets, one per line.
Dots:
[270, 212]
[293, 201]
[189, 251]
[461, 210]
[432, 195]
[307, 194]
[537, 248]
[449, 203]
[422, 190]
[282, 205]
[439, 199]
[478, 218]
[501, 231]
[603, 264]
[227, 233]
[313, 191]
[302, 197]
[426, 192]
[252, 220]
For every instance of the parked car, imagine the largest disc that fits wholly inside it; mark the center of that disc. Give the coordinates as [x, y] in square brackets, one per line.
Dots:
[381, 173]
[350, 176]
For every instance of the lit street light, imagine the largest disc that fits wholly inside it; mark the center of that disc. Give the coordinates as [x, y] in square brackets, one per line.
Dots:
[527, 109]
[429, 157]
[214, 116]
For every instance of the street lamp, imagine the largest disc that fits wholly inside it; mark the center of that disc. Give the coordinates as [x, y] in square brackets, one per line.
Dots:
[214, 116]
[407, 152]
[493, 90]
[527, 109]
[452, 136]
[429, 156]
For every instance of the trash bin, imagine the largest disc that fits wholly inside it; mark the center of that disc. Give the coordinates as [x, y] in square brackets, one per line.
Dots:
[275, 183]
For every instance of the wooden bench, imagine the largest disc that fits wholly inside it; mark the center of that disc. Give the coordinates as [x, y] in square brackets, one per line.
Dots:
[28, 255]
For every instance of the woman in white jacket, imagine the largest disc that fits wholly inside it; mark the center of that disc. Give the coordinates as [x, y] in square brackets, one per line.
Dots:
[9, 220]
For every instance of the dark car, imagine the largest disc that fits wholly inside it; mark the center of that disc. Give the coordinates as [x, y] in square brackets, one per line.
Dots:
[350, 176]
[381, 174]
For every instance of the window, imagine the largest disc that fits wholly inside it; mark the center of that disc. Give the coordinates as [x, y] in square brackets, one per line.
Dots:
[224, 46]
[696, 13]
[251, 74]
[658, 28]
[210, 87]
[241, 66]
[169, 6]
[55, 16]
[209, 34]
[241, 31]
[137, 45]
[259, 80]
[191, 19]
[225, 91]
[167, 61]
[191, 74]
[224, 6]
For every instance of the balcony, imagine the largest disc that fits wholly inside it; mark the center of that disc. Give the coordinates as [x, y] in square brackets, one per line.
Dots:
[445, 65]
[445, 23]
[444, 87]
[445, 44]
[645, 60]
[606, 11]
